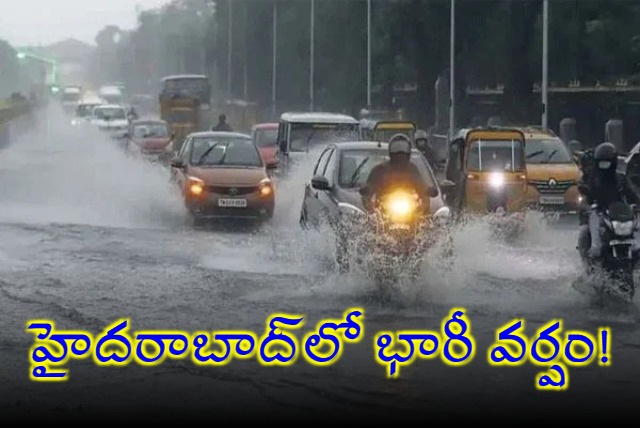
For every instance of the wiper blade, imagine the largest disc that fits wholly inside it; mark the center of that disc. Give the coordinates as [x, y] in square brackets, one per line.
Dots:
[356, 173]
[206, 153]
[536, 153]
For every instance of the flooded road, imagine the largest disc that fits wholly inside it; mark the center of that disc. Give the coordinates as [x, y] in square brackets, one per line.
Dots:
[90, 235]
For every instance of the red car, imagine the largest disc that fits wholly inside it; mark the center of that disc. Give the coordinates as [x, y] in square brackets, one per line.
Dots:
[265, 137]
[150, 139]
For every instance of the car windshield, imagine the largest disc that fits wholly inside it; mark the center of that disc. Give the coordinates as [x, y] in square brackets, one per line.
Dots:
[71, 96]
[225, 151]
[150, 130]
[551, 150]
[182, 116]
[84, 110]
[356, 165]
[303, 136]
[384, 135]
[110, 113]
[496, 155]
[266, 137]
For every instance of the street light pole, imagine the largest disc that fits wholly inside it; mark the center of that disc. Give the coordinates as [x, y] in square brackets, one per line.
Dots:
[545, 62]
[312, 54]
[452, 58]
[275, 51]
[229, 48]
[369, 55]
[52, 63]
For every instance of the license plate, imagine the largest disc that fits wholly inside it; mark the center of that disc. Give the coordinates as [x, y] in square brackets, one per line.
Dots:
[552, 200]
[232, 203]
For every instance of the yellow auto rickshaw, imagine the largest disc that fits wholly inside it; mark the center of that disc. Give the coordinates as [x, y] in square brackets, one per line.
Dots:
[486, 172]
[383, 130]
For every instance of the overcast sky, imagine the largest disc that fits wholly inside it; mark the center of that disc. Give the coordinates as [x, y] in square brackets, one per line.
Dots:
[32, 22]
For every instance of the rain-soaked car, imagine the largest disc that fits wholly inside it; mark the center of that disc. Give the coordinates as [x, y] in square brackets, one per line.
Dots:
[222, 175]
[265, 137]
[341, 170]
[150, 139]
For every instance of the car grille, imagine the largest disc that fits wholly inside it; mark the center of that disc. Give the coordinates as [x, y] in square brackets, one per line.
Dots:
[232, 190]
[559, 189]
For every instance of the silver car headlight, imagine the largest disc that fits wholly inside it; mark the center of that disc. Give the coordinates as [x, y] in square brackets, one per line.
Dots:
[622, 228]
[443, 215]
[350, 209]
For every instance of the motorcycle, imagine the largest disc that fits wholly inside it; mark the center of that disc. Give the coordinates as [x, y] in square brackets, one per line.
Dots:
[391, 240]
[619, 225]
[505, 226]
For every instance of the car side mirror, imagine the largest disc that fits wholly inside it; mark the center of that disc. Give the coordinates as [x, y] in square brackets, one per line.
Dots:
[365, 191]
[125, 135]
[447, 186]
[173, 136]
[421, 144]
[177, 163]
[320, 182]
[433, 192]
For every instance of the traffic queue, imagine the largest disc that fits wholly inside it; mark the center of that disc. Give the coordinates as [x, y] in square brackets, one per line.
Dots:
[382, 186]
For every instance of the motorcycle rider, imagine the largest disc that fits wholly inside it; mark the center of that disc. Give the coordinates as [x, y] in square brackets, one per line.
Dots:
[423, 144]
[397, 173]
[222, 124]
[601, 185]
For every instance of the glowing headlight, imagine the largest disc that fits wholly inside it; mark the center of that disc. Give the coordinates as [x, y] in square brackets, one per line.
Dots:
[196, 186]
[400, 206]
[496, 180]
[74, 122]
[266, 187]
[349, 209]
[622, 228]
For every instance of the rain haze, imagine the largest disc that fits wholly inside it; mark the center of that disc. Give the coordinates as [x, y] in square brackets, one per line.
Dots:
[225, 176]
[42, 22]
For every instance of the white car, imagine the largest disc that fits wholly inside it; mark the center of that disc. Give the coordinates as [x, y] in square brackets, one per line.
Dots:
[110, 118]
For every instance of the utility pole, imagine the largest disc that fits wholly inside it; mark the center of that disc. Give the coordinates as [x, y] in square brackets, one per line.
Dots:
[369, 55]
[229, 47]
[545, 62]
[275, 63]
[452, 74]
[312, 54]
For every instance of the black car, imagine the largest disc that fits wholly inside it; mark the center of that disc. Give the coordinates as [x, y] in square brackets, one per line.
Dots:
[340, 172]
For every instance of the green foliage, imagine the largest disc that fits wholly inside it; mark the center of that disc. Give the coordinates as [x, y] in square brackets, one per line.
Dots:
[9, 70]
[497, 41]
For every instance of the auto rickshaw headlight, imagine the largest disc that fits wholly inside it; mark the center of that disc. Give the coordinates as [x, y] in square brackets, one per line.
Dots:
[196, 186]
[496, 180]
[266, 187]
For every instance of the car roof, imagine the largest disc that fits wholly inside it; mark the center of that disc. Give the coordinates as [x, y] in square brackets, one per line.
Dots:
[110, 106]
[309, 117]
[145, 121]
[271, 125]
[365, 145]
[219, 134]
[184, 76]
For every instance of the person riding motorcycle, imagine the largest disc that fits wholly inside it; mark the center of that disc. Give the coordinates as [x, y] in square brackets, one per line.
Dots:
[601, 185]
[422, 144]
[395, 174]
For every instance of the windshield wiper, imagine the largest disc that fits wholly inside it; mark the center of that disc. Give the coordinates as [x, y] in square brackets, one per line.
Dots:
[206, 153]
[356, 173]
[553, 152]
[536, 153]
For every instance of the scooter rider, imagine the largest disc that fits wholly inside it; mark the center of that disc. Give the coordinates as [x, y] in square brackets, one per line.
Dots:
[422, 144]
[601, 186]
[397, 173]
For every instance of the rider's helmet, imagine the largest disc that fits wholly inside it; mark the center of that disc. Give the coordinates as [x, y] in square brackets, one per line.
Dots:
[422, 139]
[400, 149]
[605, 157]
